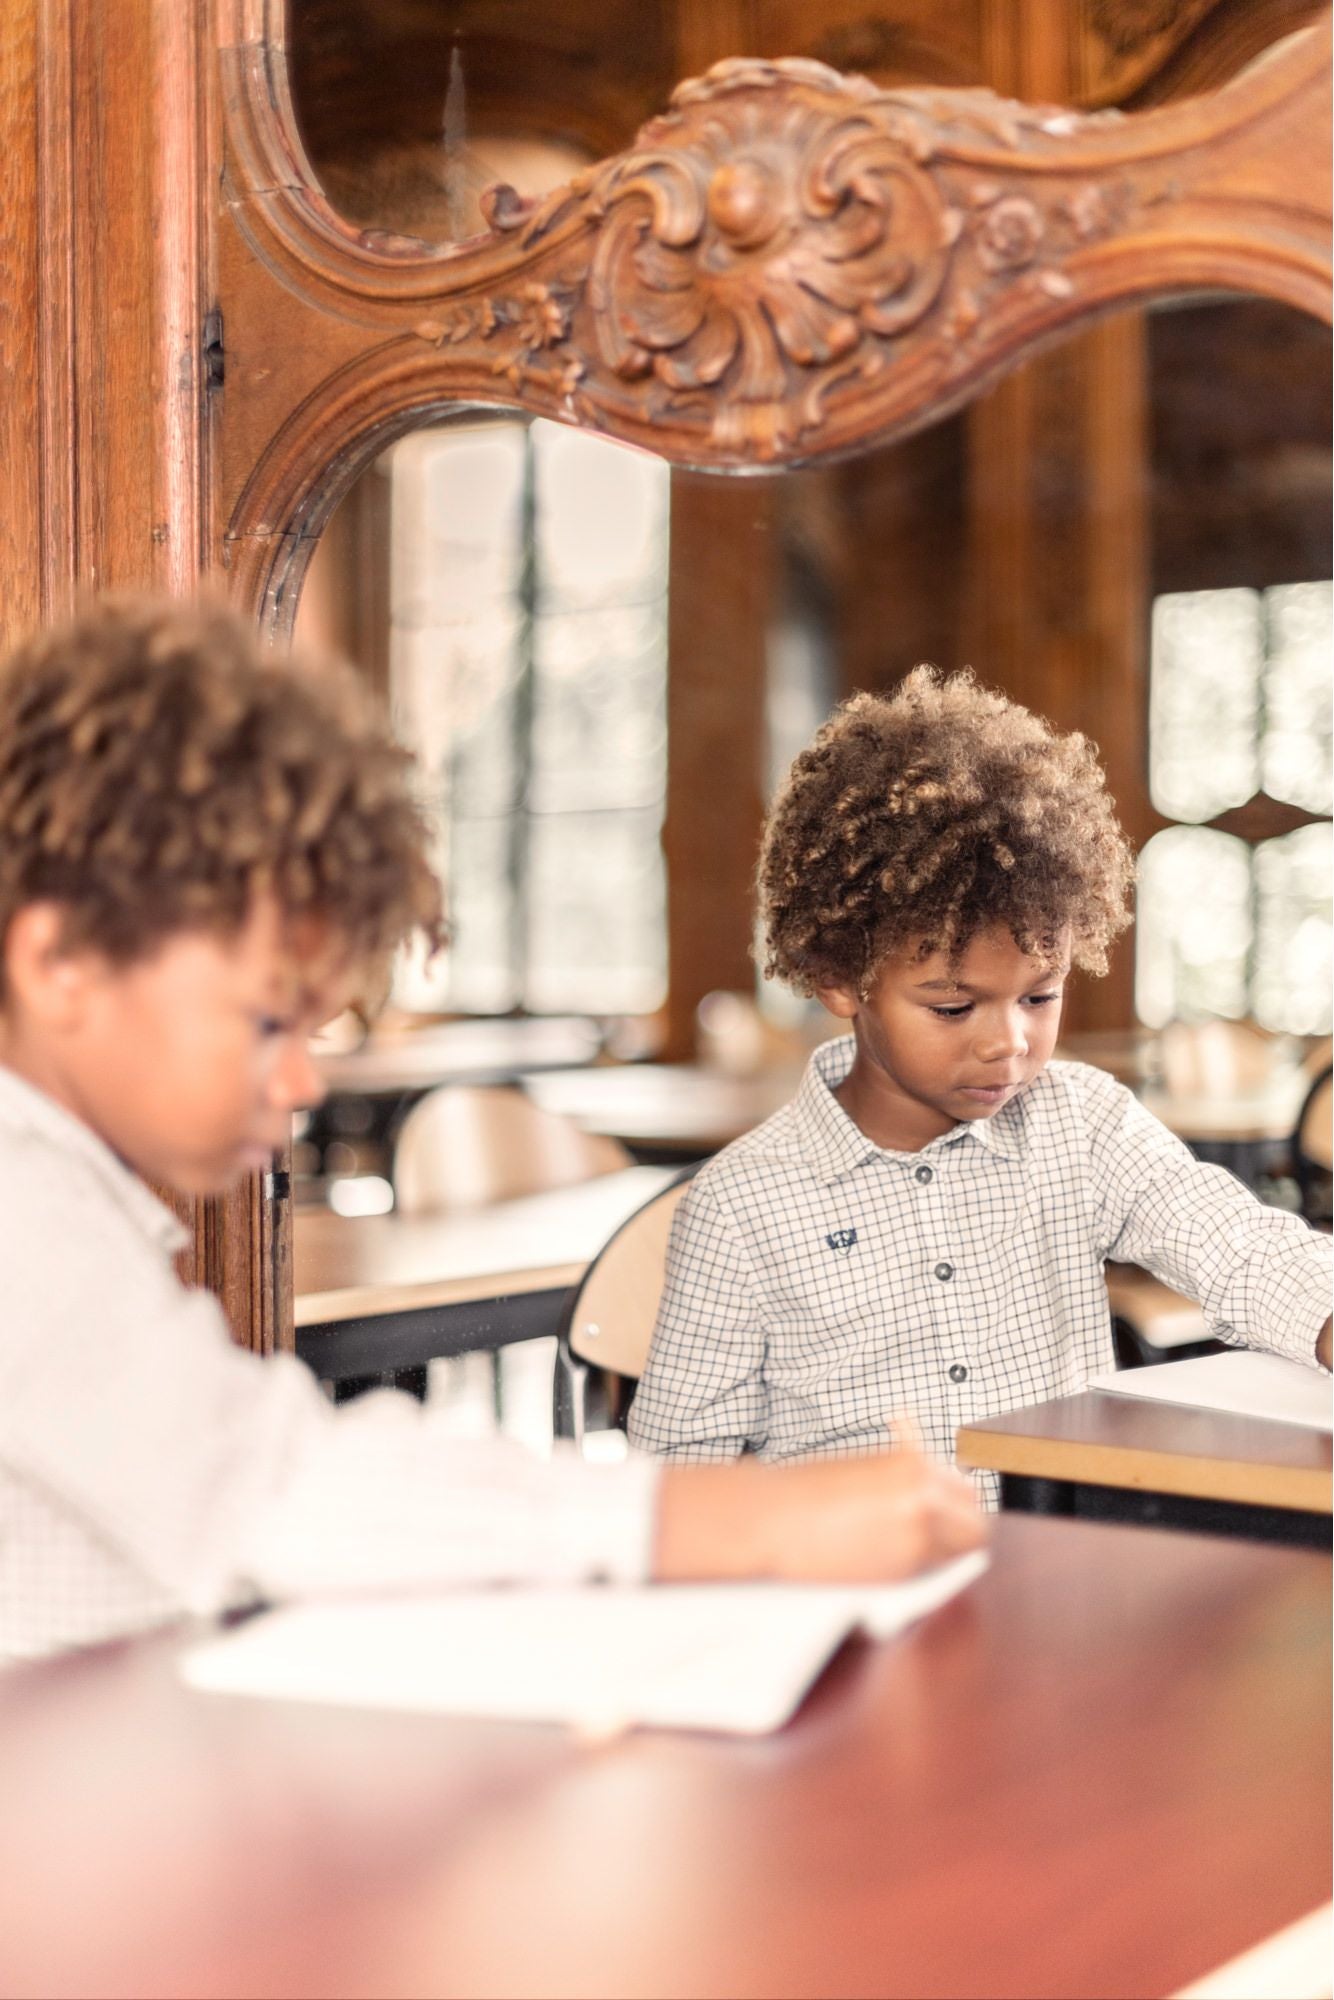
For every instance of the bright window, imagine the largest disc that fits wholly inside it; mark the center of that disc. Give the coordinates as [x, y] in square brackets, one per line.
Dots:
[528, 666]
[1239, 714]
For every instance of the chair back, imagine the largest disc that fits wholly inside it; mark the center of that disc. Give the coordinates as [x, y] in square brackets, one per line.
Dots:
[466, 1145]
[609, 1321]
[1313, 1150]
[1314, 1136]
[612, 1313]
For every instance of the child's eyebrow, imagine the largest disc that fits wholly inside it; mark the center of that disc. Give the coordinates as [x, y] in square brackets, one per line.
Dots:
[962, 986]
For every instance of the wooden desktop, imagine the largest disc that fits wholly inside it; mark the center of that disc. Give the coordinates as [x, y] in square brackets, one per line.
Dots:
[1103, 1771]
[376, 1293]
[1115, 1457]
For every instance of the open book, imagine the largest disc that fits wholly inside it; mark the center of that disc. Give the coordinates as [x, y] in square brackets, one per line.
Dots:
[712, 1656]
[1240, 1384]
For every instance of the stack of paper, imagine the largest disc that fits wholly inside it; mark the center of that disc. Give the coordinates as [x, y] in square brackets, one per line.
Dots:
[1240, 1384]
[717, 1657]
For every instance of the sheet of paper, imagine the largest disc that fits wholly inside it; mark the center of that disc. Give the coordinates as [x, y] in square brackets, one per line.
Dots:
[713, 1657]
[1241, 1384]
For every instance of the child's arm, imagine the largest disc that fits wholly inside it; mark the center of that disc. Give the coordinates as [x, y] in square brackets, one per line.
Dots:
[1262, 1277]
[155, 1469]
[703, 1394]
[832, 1519]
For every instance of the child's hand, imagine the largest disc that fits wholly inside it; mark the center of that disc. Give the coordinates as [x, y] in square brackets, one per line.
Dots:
[825, 1520]
[1323, 1344]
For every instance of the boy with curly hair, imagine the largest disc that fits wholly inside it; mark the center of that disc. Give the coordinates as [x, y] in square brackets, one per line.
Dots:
[205, 854]
[922, 1230]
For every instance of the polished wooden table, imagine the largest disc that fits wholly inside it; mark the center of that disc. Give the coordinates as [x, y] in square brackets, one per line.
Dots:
[669, 1108]
[1104, 1771]
[1231, 1117]
[1115, 1458]
[477, 1051]
[687, 1109]
[378, 1293]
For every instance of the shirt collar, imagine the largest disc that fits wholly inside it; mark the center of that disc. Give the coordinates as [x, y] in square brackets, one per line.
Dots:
[25, 1110]
[833, 1145]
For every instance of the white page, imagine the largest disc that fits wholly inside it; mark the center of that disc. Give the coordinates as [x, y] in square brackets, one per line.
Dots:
[734, 1658]
[1241, 1384]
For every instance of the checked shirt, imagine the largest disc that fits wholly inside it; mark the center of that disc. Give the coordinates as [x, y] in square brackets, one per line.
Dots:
[818, 1286]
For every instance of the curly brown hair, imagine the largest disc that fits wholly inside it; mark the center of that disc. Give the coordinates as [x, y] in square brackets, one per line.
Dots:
[917, 818]
[158, 771]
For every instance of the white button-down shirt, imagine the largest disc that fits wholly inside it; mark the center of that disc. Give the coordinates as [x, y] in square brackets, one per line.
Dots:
[149, 1468]
[818, 1286]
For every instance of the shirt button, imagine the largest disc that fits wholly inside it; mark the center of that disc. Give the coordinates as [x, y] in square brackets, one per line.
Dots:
[944, 1272]
[923, 1174]
[958, 1372]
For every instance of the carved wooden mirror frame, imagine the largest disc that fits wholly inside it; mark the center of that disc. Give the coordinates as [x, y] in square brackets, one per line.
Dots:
[788, 265]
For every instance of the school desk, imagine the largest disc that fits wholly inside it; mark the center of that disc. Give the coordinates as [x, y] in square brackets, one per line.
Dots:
[376, 1293]
[673, 1109]
[682, 1108]
[1115, 1458]
[1102, 1771]
[478, 1051]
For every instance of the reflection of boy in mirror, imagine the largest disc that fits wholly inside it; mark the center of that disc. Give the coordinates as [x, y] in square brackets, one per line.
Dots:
[923, 1228]
[205, 854]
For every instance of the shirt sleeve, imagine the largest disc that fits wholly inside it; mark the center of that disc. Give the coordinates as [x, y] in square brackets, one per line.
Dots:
[213, 1476]
[703, 1393]
[1262, 1277]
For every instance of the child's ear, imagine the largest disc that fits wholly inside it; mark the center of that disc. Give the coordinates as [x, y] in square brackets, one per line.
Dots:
[843, 1001]
[44, 976]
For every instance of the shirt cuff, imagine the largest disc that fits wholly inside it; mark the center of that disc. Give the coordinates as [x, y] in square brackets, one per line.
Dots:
[1297, 1304]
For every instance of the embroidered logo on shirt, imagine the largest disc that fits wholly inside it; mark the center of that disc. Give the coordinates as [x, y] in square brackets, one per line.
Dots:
[841, 1240]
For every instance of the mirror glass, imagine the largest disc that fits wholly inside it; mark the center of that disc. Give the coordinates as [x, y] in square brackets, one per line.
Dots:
[410, 110]
[605, 666]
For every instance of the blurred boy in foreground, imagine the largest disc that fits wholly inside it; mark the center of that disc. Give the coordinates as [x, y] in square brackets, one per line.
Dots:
[205, 855]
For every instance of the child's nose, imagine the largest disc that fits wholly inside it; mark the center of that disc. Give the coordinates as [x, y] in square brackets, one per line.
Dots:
[1003, 1038]
[296, 1084]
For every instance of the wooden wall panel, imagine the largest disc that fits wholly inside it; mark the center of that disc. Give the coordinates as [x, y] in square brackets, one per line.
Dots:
[1057, 604]
[720, 595]
[36, 375]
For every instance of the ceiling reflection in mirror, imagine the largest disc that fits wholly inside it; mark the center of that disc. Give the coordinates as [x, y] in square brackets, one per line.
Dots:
[410, 109]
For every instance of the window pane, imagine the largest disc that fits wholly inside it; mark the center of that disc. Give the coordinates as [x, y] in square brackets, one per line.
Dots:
[1205, 661]
[455, 690]
[601, 521]
[600, 709]
[528, 669]
[457, 538]
[1296, 748]
[596, 913]
[1192, 926]
[1293, 962]
[484, 915]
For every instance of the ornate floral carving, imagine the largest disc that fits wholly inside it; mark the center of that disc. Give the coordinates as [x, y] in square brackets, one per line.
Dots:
[540, 317]
[535, 318]
[1088, 212]
[787, 265]
[793, 235]
[473, 321]
[1009, 234]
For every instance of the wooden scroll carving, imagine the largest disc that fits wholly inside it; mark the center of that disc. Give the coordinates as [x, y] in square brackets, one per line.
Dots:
[788, 265]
